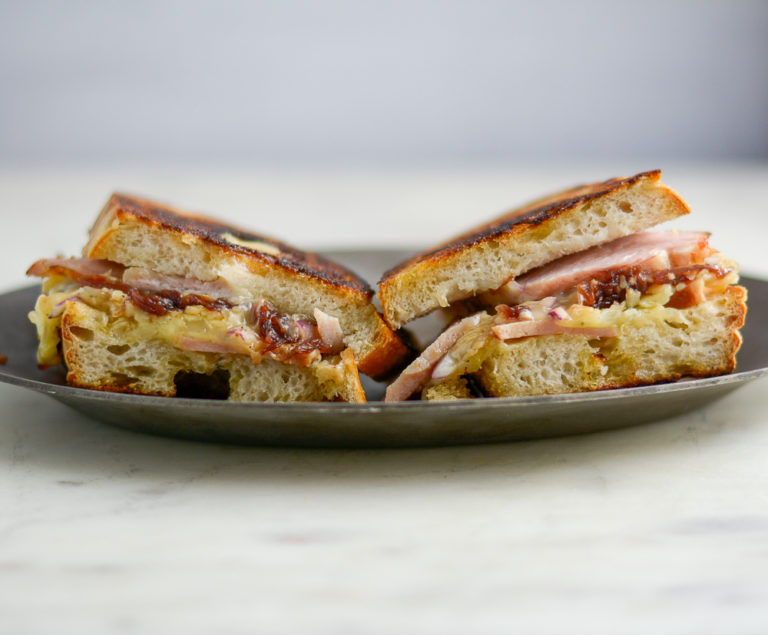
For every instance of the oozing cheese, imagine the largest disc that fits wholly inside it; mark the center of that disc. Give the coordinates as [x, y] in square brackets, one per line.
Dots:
[258, 245]
[465, 356]
[194, 328]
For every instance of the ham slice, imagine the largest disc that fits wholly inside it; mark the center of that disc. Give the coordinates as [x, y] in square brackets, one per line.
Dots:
[330, 330]
[542, 317]
[419, 372]
[652, 251]
[142, 278]
[210, 346]
[92, 272]
[85, 271]
[547, 326]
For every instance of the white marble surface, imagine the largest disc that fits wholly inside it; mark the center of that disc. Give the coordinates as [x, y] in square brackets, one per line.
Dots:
[661, 528]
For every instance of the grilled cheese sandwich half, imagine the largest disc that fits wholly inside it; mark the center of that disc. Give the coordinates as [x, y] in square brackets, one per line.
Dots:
[162, 291]
[568, 294]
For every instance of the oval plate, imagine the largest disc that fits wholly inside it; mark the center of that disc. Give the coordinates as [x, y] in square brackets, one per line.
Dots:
[377, 424]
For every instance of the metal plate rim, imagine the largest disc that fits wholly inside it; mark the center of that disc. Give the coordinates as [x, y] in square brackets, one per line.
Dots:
[55, 390]
[407, 423]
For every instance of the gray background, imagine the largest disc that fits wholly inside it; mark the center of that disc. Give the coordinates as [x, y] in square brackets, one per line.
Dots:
[362, 82]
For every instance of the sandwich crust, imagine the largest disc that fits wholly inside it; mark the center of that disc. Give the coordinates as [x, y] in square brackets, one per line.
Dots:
[122, 208]
[485, 257]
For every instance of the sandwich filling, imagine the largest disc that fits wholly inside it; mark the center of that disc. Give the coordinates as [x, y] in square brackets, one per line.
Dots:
[190, 314]
[591, 293]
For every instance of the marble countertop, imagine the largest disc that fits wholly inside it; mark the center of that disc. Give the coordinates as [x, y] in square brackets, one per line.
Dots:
[661, 528]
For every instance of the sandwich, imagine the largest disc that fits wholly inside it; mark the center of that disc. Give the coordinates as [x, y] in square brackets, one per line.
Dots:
[569, 293]
[167, 303]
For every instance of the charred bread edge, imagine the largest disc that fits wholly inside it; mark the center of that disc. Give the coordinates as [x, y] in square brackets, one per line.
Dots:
[517, 220]
[210, 230]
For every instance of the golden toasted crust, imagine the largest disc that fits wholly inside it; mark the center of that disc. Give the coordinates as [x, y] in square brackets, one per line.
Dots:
[122, 207]
[392, 351]
[353, 386]
[485, 257]
[522, 218]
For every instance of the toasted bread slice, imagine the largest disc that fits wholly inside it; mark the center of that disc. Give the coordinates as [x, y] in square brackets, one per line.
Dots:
[486, 257]
[104, 351]
[139, 233]
[651, 346]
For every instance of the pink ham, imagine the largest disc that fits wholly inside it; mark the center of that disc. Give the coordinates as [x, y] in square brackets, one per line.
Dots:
[209, 346]
[418, 373]
[547, 326]
[141, 278]
[542, 317]
[81, 270]
[244, 341]
[105, 273]
[650, 250]
[330, 330]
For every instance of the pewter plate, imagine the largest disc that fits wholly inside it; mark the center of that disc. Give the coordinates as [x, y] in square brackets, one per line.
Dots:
[377, 424]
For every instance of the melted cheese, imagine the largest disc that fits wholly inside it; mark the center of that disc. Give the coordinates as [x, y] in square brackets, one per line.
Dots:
[195, 325]
[256, 245]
